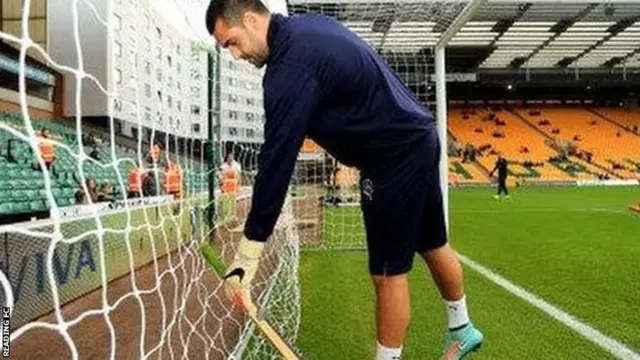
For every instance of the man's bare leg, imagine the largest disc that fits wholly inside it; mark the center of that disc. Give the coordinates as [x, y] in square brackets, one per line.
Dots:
[446, 271]
[393, 312]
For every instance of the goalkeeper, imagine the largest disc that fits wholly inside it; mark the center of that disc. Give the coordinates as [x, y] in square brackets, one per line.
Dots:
[324, 82]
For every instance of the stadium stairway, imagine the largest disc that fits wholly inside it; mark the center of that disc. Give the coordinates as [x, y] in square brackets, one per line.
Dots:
[465, 173]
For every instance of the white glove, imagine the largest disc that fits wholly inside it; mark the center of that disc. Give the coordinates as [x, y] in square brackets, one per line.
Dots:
[237, 283]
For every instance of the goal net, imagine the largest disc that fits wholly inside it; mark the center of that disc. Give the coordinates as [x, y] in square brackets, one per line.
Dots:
[404, 33]
[110, 266]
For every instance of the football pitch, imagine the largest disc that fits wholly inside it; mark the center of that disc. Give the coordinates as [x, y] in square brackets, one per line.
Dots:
[575, 249]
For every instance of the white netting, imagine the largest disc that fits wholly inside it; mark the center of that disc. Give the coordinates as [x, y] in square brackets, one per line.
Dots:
[404, 33]
[123, 277]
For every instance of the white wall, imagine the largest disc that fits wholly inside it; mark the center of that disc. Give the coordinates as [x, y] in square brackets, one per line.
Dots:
[120, 62]
[276, 6]
[194, 86]
[93, 41]
[161, 77]
[241, 103]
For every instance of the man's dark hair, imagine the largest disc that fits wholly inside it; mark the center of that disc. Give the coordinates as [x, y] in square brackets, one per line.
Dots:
[231, 11]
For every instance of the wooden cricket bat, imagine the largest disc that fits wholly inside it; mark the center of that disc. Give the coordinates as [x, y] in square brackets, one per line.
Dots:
[267, 330]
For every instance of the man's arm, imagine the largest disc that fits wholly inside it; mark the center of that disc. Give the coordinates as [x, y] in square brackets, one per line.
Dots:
[291, 97]
[494, 169]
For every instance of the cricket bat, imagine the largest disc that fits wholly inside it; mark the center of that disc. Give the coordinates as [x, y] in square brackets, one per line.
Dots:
[269, 332]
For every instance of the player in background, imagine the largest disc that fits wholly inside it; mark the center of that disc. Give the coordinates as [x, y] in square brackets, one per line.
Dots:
[324, 82]
[230, 182]
[230, 164]
[503, 171]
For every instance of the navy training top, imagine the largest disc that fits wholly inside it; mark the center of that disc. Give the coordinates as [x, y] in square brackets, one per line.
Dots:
[324, 82]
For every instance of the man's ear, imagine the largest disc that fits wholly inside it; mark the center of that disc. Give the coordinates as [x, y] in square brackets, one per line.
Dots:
[249, 19]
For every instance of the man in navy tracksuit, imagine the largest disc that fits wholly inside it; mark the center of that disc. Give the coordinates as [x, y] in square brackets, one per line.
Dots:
[502, 167]
[324, 82]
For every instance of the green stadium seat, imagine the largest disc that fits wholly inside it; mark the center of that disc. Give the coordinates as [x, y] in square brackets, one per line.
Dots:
[70, 183]
[21, 207]
[21, 184]
[33, 195]
[68, 192]
[37, 205]
[42, 193]
[6, 208]
[15, 184]
[32, 184]
[19, 195]
[64, 201]
[57, 192]
[6, 166]
[5, 196]
[29, 174]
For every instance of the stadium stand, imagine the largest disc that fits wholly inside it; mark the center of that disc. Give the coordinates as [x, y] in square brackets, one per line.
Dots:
[502, 133]
[22, 191]
[541, 145]
[628, 119]
[599, 143]
[603, 144]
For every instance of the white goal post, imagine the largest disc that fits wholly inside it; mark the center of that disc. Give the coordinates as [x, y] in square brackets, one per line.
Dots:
[441, 94]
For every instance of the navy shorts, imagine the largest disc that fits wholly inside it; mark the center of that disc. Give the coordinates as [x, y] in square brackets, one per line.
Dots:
[402, 208]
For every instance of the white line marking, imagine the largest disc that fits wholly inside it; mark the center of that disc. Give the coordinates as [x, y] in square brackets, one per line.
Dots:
[616, 348]
[483, 211]
[605, 210]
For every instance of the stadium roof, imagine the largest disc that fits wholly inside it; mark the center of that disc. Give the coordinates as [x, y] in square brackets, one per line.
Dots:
[503, 34]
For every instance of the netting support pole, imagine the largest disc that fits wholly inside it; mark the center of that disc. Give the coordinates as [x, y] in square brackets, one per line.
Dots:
[441, 95]
[441, 116]
[213, 114]
[210, 209]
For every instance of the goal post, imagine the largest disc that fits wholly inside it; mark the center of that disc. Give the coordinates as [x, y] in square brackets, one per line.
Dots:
[441, 93]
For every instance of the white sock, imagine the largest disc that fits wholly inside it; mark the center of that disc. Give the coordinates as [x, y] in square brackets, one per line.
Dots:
[457, 312]
[385, 353]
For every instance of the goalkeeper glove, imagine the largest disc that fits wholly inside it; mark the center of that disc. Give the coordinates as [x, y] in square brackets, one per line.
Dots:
[237, 282]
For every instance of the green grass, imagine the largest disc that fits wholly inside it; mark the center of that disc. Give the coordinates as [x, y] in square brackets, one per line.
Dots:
[577, 248]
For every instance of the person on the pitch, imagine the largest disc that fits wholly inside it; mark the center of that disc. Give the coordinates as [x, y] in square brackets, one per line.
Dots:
[503, 171]
[324, 82]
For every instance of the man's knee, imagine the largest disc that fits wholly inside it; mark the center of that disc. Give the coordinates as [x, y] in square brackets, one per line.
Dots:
[433, 252]
[382, 282]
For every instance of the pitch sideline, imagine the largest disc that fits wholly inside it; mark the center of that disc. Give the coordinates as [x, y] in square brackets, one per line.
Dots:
[613, 346]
